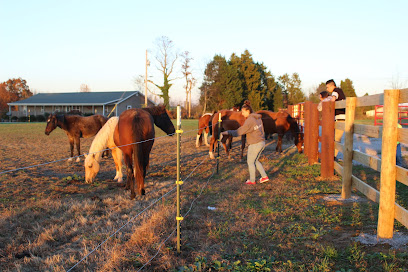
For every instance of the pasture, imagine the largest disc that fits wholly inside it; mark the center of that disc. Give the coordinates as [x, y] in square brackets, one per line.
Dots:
[50, 218]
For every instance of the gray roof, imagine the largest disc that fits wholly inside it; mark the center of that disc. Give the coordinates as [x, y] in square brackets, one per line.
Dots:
[91, 98]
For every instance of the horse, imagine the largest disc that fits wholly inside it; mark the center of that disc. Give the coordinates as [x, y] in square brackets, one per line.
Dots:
[134, 135]
[281, 122]
[203, 128]
[75, 127]
[103, 139]
[231, 120]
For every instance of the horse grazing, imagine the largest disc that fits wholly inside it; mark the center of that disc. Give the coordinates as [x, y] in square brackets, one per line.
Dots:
[103, 139]
[76, 127]
[231, 120]
[281, 122]
[134, 135]
[203, 128]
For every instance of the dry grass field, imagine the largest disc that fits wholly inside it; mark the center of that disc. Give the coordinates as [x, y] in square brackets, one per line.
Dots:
[50, 218]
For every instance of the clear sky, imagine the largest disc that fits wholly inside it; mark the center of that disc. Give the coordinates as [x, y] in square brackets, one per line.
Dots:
[59, 45]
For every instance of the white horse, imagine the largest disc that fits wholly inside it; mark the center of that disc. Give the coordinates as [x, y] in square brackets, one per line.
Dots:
[103, 140]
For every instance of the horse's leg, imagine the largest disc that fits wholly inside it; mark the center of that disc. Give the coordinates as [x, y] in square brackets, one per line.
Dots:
[243, 142]
[212, 145]
[198, 137]
[206, 138]
[225, 145]
[117, 157]
[279, 145]
[78, 144]
[71, 145]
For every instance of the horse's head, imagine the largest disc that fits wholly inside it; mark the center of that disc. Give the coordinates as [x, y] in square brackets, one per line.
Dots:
[162, 120]
[299, 141]
[52, 123]
[91, 168]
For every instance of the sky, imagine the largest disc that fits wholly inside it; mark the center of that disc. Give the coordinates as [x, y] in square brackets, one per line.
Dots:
[58, 45]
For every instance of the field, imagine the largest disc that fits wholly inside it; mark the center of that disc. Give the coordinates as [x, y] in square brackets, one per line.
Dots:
[50, 218]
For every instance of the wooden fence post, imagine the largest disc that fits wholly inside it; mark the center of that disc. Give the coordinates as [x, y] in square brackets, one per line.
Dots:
[386, 211]
[290, 110]
[348, 147]
[327, 140]
[306, 128]
[314, 134]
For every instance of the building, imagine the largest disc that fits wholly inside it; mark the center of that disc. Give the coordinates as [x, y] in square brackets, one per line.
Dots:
[106, 103]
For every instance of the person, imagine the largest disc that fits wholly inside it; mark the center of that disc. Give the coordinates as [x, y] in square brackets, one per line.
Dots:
[337, 95]
[255, 137]
[324, 96]
[399, 153]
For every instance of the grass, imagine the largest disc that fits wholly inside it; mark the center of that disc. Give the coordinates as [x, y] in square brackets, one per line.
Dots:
[50, 218]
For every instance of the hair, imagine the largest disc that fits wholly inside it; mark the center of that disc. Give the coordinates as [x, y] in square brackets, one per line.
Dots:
[324, 94]
[331, 81]
[247, 106]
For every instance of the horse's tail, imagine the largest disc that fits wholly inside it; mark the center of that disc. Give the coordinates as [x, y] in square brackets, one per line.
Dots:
[138, 158]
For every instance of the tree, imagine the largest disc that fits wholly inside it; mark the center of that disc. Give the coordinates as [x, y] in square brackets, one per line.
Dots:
[292, 88]
[222, 87]
[84, 88]
[13, 90]
[250, 75]
[166, 58]
[348, 88]
[315, 96]
[186, 71]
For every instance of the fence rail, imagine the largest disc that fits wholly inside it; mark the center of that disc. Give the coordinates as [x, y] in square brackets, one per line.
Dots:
[390, 135]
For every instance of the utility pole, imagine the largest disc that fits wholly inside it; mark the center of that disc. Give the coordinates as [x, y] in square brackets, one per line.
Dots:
[147, 64]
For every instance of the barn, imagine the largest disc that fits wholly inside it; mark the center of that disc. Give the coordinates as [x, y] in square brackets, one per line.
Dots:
[106, 103]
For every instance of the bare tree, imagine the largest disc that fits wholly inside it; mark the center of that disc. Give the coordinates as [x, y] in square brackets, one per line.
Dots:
[166, 58]
[84, 88]
[186, 71]
[397, 83]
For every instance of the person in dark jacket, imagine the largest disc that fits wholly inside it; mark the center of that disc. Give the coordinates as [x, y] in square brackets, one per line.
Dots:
[337, 95]
[255, 137]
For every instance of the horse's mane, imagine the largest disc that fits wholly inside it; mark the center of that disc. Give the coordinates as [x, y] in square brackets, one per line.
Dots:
[100, 141]
[156, 110]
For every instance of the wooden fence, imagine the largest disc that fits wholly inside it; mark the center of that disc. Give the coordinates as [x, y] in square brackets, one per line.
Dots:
[390, 134]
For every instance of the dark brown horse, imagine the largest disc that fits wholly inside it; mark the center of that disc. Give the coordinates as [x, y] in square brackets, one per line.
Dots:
[231, 120]
[76, 127]
[137, 126]
[203, 129]
[281, 122]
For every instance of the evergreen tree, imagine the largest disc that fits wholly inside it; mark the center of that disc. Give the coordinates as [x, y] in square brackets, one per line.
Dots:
[348, 88]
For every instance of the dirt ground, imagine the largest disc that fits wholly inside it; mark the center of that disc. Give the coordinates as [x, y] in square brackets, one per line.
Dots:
[50, 218]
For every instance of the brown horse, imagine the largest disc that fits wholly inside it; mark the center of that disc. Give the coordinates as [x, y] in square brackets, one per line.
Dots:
[281, 122]
[203, 128]
[134, 135]
[76, 127]
[231, 120]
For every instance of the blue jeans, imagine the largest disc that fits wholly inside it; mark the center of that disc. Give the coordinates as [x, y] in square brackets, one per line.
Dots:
[254, 152]
[399, 155]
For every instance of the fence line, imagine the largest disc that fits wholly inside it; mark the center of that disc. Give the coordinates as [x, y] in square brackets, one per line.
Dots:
[137, 215]
[65, 159]
[185, 215]
[389, 172]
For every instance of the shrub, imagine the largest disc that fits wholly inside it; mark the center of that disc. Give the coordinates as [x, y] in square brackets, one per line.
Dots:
[41, 118]
[22, 119]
